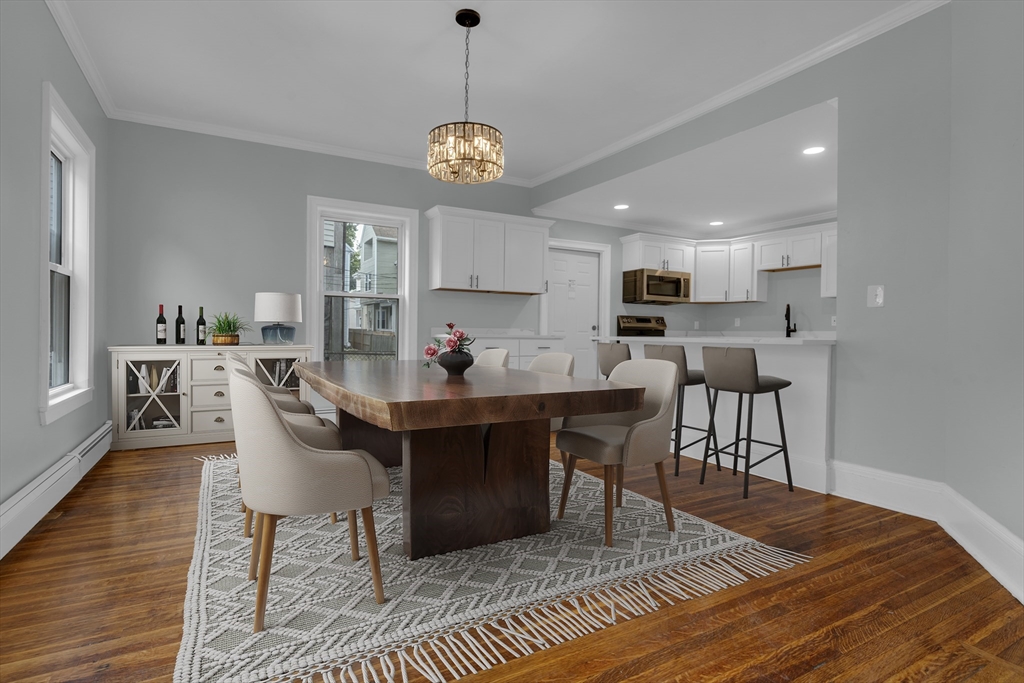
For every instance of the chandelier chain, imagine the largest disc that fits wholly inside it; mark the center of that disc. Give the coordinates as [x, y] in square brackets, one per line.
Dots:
[467, 74]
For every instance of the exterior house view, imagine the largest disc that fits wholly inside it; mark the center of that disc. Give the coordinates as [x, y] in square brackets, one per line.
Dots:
[364, 341]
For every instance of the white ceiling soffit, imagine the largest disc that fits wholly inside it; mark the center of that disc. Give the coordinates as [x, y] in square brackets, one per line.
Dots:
[368, 80]
[755, 181]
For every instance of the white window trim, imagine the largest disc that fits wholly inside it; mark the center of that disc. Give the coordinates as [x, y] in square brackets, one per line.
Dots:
[61, 132]
[319, 209]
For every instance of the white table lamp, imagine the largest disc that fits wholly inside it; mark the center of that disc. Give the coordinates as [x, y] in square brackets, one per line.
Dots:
[279, 308]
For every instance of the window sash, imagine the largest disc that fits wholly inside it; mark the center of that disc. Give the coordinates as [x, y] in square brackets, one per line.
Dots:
[60, 329]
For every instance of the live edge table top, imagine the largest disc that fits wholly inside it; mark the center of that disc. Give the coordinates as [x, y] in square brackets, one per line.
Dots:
[404, 395]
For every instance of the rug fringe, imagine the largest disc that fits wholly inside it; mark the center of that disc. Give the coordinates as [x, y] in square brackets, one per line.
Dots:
[541, 626]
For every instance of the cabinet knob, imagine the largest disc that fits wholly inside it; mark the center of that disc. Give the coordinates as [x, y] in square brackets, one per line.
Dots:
[218, 419]
[218, 394]
[219, 368]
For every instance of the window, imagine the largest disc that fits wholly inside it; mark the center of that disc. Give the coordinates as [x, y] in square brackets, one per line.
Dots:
[359, 270]
[69, 168]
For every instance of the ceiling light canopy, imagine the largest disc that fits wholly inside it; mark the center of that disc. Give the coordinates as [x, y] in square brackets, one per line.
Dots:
[621, 206]
[466, 153]
[814, 150]
[716, 223]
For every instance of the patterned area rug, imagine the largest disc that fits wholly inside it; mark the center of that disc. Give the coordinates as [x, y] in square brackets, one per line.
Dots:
[445, 616]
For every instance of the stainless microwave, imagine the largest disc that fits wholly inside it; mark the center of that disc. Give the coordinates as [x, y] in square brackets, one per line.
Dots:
[650, 286]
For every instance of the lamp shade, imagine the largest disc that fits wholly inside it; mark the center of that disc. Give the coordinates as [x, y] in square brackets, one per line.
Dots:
[278, 307]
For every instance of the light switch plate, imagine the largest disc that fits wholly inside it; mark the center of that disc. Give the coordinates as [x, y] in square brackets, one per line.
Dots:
[833, 321]
[737, 322]
[696, 324]
[876, 296]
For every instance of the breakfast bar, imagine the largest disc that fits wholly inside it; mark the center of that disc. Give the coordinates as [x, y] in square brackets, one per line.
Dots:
[808, 405]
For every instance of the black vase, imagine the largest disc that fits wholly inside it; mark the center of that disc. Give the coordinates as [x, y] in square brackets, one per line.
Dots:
[455, 363]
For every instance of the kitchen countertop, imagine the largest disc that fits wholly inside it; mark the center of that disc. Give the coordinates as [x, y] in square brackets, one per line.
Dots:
[730, 341]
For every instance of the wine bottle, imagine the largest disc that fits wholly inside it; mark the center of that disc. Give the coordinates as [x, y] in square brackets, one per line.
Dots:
[201, 329]
[179, 328]
[161, 327]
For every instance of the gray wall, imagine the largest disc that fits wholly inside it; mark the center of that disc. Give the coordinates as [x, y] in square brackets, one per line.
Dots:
[32, 51]
[985, 315]
[897, 188]
[801, 289]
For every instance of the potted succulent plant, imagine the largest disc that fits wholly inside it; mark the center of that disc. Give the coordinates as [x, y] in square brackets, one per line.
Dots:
[226, 328]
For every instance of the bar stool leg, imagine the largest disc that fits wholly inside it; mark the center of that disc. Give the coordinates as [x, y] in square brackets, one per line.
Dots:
[785, 448]
[736, 443]
[707, 442]
[714, 433]
[679, 423]
[750, 427]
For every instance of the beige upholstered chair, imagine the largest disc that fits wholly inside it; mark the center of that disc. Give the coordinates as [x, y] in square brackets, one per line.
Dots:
[493, 358]
[687, 378]
[553, 364]
[289, 469]
[610, 354]
[618, 440]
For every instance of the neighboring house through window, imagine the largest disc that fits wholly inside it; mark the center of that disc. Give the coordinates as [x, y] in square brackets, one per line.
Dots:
[68, 197]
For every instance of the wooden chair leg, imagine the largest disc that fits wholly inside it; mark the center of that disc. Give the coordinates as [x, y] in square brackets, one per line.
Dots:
[266, 557]
[371, 550]
[247, 528]
[609, 485]
[669, 518]
[565, 459]
[353, 534]
[569, 469]
[334, 518]
[257, 540]
[618, 485]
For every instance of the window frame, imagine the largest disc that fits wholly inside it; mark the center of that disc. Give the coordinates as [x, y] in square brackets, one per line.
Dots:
[63, 136]
[319, 209]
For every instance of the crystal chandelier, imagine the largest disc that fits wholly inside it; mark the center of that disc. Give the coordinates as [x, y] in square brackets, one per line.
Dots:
[466, 153]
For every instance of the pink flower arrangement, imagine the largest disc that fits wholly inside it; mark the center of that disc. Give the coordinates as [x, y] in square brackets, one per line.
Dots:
[457, 341]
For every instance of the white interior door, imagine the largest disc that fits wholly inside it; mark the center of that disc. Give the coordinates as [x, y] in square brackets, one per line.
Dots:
[573, 308]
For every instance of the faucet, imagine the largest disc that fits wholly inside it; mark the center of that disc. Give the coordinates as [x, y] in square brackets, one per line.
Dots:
[789, 330]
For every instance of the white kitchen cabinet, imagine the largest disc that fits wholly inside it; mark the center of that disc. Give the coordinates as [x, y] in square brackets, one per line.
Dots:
[486, 252]
[187, 400]
[781, 252]
[659, 253]
[829, 260]
[745, 283]
[711, 273]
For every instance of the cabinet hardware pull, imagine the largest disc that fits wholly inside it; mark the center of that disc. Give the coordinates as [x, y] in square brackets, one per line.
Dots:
[545, 286]
[471, 281]
[478, 282]
[543, 347]
[787, 259]
[748, 295]
[218, 419]
[727, 295]
[219, 368]
[218, 394]
[783, 257]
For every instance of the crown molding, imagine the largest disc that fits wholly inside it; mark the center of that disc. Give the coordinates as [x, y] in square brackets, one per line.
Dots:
[66, 23]
[886, 22]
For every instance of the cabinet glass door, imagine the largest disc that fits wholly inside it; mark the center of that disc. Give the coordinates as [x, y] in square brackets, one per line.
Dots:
[152, 390]
[277, 371]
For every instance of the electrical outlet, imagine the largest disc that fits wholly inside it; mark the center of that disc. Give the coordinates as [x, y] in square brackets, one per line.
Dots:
[696, 324]
[737, 322]
[833, 321]
[876, 296]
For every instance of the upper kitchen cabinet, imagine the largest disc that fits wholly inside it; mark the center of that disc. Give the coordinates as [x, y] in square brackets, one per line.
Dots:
[745, 283]
[487, 252]
[788, 250]
[829, 259]
[659, 253]
[711, 273]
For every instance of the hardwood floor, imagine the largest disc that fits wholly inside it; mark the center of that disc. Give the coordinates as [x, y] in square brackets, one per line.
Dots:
[95, 591]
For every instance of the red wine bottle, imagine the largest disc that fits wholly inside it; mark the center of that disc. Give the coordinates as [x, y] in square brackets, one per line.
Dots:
[161, 327]
[201, 329]
[179, 328]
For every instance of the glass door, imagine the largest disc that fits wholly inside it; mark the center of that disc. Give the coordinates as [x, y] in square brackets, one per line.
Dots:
[153, 393]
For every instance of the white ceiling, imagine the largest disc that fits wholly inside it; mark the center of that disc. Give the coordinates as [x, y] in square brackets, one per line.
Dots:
[565, 82]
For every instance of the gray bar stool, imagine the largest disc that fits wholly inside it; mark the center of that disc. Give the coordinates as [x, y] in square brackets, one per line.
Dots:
[735, 369]
[610, 354]
[687, 378]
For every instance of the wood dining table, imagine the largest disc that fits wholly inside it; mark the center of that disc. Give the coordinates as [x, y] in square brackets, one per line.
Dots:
[474, 450]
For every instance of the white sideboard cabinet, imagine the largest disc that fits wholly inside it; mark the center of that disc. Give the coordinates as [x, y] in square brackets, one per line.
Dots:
[174, 395]
[479, 251]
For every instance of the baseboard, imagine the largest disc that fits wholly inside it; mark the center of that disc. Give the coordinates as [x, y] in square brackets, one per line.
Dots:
[994, 546]
[24, 509]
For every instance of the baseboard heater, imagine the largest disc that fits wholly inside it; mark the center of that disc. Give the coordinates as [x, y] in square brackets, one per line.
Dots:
[23, 510]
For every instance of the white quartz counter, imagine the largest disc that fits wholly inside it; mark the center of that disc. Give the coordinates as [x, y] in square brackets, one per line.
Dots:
[726, 341]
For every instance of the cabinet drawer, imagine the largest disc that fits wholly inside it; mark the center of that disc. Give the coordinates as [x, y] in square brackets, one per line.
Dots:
[535, 347]
[207, 369]
[212, 421]
[210, 396]
[481, 343]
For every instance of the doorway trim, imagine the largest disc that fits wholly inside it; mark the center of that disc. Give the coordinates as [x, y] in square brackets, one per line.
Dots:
[604, 260]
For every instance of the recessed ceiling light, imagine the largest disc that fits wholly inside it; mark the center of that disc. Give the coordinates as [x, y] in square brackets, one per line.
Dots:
[716, 223]
[814, 150]
[620, 207]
